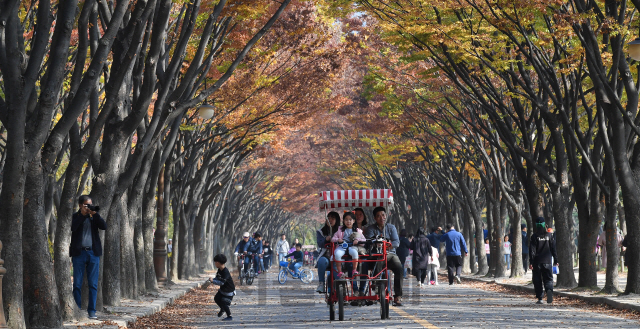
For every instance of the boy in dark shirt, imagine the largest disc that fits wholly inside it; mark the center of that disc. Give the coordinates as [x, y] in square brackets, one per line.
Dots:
[227, 289]
[299, 256]
[542, 256]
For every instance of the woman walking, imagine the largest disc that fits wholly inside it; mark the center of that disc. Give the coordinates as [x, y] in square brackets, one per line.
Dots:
[421, 254]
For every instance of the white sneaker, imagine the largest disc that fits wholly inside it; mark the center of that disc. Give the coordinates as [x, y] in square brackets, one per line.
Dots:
[419, 285]
[320, 288]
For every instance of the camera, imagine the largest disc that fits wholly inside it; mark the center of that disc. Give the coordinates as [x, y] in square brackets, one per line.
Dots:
[93, 208]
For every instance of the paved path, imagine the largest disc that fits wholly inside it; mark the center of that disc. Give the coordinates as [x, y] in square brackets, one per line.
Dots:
[267, 304]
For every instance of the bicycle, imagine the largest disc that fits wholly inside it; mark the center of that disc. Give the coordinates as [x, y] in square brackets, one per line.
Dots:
[306, 275]
[245, 275]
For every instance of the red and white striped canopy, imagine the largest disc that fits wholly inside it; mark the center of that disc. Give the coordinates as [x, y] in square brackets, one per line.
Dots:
[349, 199]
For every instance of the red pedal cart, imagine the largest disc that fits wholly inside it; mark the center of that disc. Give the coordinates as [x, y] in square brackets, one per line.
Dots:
[377, 290]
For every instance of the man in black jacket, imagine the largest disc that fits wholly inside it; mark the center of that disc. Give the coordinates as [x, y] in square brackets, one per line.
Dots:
[85, 251]
[542, 247]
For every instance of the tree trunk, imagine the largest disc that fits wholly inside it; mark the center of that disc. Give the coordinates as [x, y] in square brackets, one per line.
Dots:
[468, 236]
[517, 269]
[566, 276]
[50, 219]
[138, 246]
[41, 303]
[613, 249]
[629, 178]
[588, 257]
[588, 235]
[148, 218]
[499, 218]
[193, 268]
[183, 261]
[63, 238]
[128, 272]
[11, 207]
[176, 239]
[492, 264]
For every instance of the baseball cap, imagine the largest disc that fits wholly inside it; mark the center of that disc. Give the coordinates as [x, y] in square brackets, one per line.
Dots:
[245, 235]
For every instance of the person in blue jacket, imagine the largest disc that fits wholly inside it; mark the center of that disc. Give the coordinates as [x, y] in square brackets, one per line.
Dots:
[254, 248]
[241, 248]
[455, 243]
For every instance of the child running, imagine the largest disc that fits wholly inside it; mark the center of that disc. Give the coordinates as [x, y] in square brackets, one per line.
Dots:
[344, 235]
[227, 289]
[299, 257]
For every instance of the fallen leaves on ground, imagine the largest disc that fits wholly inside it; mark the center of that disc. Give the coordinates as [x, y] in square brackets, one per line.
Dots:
[183, 313]
[558, 301]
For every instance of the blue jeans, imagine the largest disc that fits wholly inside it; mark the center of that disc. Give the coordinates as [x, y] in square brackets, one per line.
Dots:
[323, 267]
[296, 267]
[91, 263]
[507, 259]
[281, 257]
[246, 261]
[257, 263]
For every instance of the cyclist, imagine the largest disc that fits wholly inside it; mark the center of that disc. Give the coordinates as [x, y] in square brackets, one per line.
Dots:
[254, 247]
[299, 257]
[242, 248]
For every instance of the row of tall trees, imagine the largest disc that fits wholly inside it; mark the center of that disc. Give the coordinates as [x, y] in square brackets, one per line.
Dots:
[98, 97]
[514, 110]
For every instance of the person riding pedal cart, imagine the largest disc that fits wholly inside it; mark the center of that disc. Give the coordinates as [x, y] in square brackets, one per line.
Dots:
[389, 232]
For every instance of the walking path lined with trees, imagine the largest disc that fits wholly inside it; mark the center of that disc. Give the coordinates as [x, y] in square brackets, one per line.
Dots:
[114, 99]
[219, 117]
[443, 306]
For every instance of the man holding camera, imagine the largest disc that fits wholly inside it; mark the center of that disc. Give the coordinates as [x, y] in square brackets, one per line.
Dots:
[85, 251]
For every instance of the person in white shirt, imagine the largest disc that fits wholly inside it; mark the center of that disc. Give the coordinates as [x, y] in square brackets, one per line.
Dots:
[434, 265]
[282, 248]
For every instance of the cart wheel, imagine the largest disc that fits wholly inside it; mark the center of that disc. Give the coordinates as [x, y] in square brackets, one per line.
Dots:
[384, 305]
[332, 312]
[250, 275]
[306, 276]
[386, 309]
[282, 276]
[340, 290]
